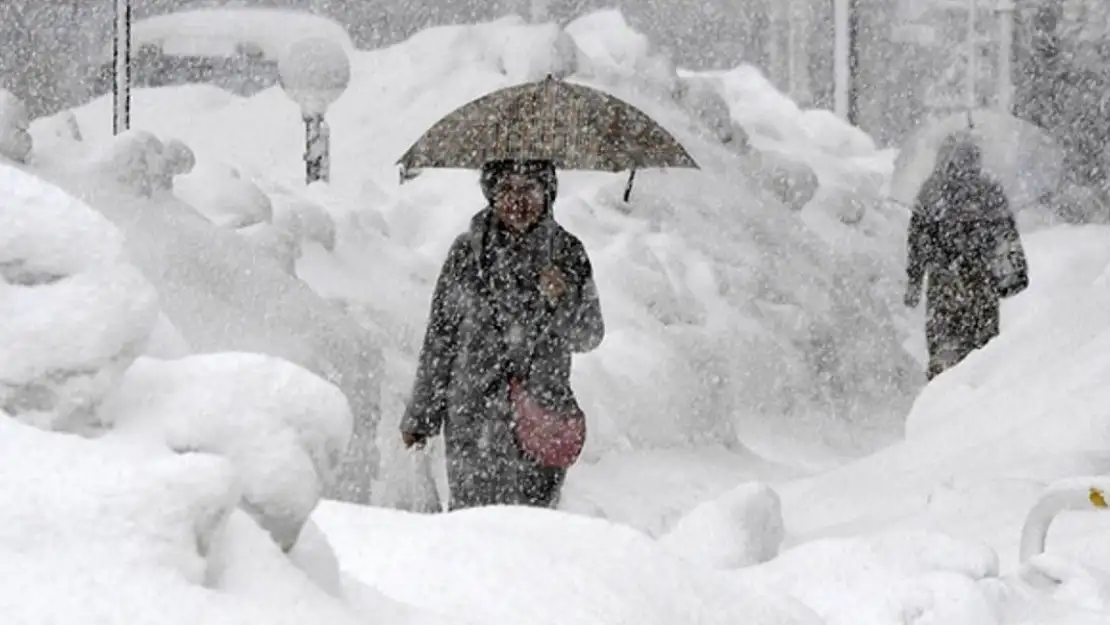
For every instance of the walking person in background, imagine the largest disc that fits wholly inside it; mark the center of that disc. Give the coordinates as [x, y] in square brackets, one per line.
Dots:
[963, 238]
[514, 299]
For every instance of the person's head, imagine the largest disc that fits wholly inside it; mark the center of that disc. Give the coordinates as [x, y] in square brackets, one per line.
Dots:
[520, 192]
[961, 157]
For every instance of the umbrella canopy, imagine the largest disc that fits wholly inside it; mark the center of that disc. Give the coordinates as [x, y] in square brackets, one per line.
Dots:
[1021, 156]
[572, 125]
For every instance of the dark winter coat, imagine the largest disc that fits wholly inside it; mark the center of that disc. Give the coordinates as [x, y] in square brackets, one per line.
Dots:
[959, 231]
[489, 322]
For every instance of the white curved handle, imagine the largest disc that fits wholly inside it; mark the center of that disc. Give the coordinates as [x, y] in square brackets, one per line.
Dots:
[1072, 494]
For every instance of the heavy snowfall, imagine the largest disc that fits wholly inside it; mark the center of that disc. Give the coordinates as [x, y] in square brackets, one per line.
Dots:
[227, 395]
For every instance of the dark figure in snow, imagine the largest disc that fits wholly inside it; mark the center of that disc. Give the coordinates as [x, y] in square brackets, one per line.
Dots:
[514, 300]
[963, 236]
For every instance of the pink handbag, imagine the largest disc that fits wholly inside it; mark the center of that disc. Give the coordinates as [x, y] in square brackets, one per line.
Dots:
[551, 438]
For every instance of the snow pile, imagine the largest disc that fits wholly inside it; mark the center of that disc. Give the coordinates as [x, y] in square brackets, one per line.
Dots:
[224, 32]
[140, 163]
[702, 275]
[15, 140]
[887, 579]
[615, 53]
[113, 531]
[283, 429]
[543, 566]
[985, 439]
[219, 293]
[741, 528]
[800, 150]
[75, 313]
[219, 192]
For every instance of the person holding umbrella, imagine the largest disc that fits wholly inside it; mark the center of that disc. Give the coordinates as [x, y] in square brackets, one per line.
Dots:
[516, 295]
[515, 298]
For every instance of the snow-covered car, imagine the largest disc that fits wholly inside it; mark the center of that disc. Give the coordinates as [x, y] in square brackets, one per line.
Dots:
[234, 48]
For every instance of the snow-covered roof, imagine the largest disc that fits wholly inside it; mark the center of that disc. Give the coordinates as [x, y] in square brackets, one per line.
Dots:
[218, 32]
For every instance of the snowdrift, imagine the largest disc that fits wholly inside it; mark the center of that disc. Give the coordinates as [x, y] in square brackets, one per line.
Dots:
[732, 319]
[219, 291]
[985, 439]
[544, 567]
[147, 483]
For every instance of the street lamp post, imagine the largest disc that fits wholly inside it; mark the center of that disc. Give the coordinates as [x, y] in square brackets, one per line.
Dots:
[1005, 10]
[314, 73]
[845, 63]
[121, 57]
[972, 56]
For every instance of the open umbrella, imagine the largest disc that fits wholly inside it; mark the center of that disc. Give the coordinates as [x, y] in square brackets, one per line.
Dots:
[572, 125]
[1018, 154]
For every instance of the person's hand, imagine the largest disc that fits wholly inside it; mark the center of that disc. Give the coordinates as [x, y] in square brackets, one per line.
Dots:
[913, 295]
[414, 439]
[553, 284]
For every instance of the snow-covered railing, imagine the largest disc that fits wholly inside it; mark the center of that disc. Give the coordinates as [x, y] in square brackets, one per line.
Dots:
[1087, 493]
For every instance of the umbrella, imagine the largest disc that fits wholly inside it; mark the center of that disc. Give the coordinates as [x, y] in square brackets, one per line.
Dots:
[1020, 155]
[574, 126]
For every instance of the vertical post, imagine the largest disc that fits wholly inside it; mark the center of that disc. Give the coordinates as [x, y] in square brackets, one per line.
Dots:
[317, 159]
[846, 59]
[121, 55]
[842, 50]
[972, 55]
[1006, 56]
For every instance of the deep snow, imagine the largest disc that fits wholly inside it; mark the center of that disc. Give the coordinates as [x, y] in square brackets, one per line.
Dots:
[753, 348]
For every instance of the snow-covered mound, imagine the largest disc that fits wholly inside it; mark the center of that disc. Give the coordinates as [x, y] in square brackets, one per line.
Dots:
[741, 528]
[218, 291]
[888, 579]
[15, 139]
[75, 313]
[193, 484]
[541, 567]
[283, 429]
[115, 532]
[729, 319]
[223, 32]
[986, 438]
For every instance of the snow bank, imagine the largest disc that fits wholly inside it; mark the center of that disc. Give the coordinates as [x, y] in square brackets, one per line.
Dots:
[889, 579]
[543, 566]
[702, 276]
[62, 273]
[614, 52]
[15, 140]
[798, 150]
[221, 32]
[109, 531]
[219, 192]
[221, 295]
[738, 529]
[986, 438]
[140, 163]
[283, 429]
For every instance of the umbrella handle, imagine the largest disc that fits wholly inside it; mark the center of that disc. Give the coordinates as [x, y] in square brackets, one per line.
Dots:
[628, 186]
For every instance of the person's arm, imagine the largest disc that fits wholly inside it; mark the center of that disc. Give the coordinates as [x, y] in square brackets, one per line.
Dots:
[919, 247]
[1008, 242]
[577, 319]
[428, 404]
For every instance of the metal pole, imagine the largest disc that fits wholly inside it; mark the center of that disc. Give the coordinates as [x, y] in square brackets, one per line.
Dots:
[842, 46]
[121, 55]
[791, 56]
[317, 147]
[1005, 56]
[972, 55]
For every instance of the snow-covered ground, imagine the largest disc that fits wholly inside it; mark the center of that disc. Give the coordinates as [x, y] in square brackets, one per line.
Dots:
[150, 302]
